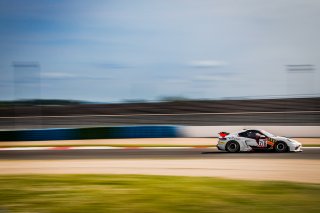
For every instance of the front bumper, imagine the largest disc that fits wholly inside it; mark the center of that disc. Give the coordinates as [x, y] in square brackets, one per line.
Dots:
[295, 147]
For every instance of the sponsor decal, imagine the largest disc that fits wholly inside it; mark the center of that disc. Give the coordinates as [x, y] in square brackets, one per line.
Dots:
[271, 142]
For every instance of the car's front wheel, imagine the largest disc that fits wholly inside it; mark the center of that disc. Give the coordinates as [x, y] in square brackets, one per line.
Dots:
[281, 147]
[233, 146]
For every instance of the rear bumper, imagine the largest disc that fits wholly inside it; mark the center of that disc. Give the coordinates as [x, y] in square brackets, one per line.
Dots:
[219, 148]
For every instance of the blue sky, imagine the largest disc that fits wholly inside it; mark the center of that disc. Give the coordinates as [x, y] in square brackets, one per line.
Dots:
[117, 50]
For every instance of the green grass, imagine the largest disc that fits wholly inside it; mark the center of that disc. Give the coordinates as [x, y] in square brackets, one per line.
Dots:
[310, 145]
[138, 193]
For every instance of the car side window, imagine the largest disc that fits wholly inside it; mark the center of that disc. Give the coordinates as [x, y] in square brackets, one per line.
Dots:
[252, 134]
[249, 134]
[257, 132]
[243, 134]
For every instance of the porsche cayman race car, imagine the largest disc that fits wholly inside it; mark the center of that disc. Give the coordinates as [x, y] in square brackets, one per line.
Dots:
[254, 139]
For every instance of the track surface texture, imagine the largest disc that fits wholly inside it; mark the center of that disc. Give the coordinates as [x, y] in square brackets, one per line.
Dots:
[298, 167]
[162, 153]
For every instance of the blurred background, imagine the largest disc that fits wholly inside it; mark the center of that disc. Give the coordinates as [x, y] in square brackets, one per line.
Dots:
[67, 63]
[141, 89]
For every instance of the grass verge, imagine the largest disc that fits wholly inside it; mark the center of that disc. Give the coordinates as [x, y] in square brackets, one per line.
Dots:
[139, 193]
[310, 145]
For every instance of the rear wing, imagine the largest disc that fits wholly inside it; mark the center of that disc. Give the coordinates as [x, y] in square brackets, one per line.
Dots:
[223, 134]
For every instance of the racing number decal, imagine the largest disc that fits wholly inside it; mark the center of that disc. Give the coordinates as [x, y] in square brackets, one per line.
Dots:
[266, 142]
[262, 143]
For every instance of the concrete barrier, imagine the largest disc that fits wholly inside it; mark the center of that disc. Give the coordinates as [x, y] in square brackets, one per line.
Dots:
[289, 131]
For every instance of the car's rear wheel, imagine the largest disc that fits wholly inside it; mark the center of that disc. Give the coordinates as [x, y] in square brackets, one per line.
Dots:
[233, 146]
[281, 147]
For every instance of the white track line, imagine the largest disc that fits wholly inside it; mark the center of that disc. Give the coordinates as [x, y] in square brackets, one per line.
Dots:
[173, 114]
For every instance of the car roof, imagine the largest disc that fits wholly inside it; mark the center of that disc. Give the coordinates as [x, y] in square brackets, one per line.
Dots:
[252, 129]
[244, 130]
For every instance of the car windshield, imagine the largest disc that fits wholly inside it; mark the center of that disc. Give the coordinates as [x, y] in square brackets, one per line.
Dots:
[267, 133]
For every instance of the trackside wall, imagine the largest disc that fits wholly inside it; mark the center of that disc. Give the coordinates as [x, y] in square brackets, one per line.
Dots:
[148, 132]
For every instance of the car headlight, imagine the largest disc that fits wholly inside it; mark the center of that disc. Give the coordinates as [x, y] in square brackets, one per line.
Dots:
[292, 141]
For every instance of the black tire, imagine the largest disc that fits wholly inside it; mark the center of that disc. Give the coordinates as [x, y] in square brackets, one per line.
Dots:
[233, 146]
[281, 147]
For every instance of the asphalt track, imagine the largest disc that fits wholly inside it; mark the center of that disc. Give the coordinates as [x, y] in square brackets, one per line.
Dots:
[151, 153]
[297, 167]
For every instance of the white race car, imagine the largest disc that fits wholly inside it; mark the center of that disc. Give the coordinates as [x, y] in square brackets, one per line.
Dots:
[254, 139]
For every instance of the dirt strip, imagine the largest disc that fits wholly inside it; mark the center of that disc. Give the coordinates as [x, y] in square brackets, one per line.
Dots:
[261, 169]
[135, 141]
